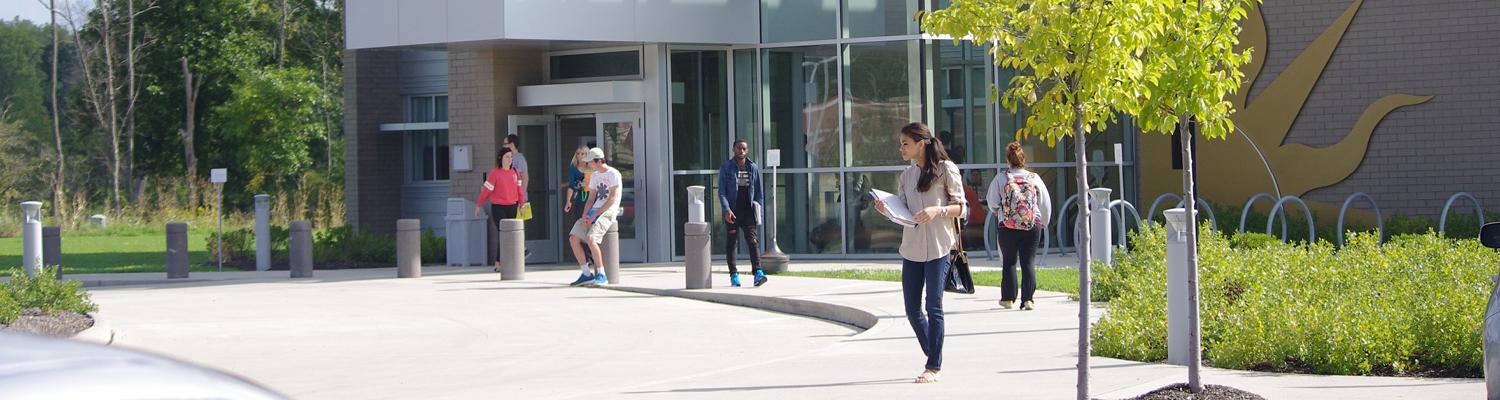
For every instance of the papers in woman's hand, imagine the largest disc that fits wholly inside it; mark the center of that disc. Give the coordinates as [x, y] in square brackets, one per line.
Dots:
[895, 208]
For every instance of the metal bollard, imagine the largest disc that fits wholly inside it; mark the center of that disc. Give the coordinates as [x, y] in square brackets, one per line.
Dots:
[695, 243]
[52, 248]
[1177, 291]
[408, 248]
[177, 250]
[31, 236]
[262, 232]
[299, 249]
[611, 249]
[1101, 226]
[512, 249]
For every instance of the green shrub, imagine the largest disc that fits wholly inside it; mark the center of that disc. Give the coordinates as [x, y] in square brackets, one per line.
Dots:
[43, 292]
[343, 244]
[237, 244]
[1411, 306]
[434, 248]
[1252, 240]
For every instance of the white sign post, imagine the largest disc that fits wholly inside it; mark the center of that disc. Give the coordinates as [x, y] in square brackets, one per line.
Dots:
[774, 260]
[218, 176]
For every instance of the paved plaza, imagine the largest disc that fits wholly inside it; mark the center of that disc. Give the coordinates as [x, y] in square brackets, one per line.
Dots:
[463, 333]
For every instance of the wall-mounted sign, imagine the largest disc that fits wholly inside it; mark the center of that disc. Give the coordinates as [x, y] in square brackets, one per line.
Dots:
[462, 158]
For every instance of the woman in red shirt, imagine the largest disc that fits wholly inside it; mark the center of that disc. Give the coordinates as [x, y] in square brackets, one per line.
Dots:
[502, 189]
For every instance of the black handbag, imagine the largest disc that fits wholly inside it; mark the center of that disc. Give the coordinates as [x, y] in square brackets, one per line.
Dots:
[960, 279]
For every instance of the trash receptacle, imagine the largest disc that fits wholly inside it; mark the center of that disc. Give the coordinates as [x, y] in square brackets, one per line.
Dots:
[465, 234]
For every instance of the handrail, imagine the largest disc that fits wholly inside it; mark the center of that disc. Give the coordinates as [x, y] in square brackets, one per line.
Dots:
[1151, 213]
[989, 223]
[1203, 205]
[1379, 222]
[1478, 210]
[1312, 236]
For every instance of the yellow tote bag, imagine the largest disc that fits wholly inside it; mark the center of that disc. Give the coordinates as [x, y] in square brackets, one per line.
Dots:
[525, 211]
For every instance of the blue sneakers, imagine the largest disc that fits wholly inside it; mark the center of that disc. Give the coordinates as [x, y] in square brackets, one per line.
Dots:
[734, 279]
[583, 279]
[760, 278]
[600, 279]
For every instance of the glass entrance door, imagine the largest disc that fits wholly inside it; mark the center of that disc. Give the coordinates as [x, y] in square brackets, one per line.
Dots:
[619, 137]
[540, 146]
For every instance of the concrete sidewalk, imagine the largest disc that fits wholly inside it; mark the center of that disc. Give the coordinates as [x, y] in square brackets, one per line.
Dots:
[458, 333]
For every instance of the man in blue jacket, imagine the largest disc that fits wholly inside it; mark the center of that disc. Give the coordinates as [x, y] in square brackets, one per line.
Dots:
[741, 196]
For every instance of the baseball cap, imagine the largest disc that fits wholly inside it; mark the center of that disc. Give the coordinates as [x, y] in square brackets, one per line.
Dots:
[593, 154]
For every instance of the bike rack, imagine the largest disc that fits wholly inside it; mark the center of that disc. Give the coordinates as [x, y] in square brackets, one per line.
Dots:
[1312, 236]
[1478, 210]
[1124, 205]
[1202, 205]
[1061, 212]
[989, 243]
[1246, 213]
[1379, 222]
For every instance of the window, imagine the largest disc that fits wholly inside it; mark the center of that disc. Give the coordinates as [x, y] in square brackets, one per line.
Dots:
[798, 20]
[596, 66]
[882, 94]
[427, 155]
[431, 108]
[866, 18]
[427, 150]
[801, 105]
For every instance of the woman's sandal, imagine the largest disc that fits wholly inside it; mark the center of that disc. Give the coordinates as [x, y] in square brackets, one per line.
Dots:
[927, 376]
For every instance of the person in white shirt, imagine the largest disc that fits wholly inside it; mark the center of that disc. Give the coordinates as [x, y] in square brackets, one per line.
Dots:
[604, 207]
[1023, 207]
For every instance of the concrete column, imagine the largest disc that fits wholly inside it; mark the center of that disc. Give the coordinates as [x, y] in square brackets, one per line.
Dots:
[177, 250]
[31, 234]
[1178, 350]
[512, 249]
[52, 248]
[262, 232]
[611, 249]
[409, 248]
[1100, 226]
[695, 244]
[299, 249]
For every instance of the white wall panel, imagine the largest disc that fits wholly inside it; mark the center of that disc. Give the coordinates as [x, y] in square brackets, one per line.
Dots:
[470, 20]
[370, 23]
[422, 22]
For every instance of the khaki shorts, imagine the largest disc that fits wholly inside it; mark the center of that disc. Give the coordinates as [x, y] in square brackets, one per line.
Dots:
[595, 231]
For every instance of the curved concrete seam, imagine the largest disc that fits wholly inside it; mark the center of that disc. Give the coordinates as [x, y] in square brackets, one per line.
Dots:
[848, 315]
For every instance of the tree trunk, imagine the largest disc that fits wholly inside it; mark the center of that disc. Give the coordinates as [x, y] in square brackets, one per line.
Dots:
[190, 88]
[111, 96]
[130, 96]
[59, 197]
[1082, 246]
[281, 36]
[1190, 200]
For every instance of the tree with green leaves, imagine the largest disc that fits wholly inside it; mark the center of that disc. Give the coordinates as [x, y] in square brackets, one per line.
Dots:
[268, 124]
[1079, 66]
[1194, 68]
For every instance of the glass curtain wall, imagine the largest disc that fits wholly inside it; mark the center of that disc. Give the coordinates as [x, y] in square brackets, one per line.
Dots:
[829, 86]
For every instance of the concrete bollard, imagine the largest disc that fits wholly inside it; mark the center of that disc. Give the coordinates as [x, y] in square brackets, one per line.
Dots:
[299, 249]
[611, 249]
[409, 248]
[177, 250]
[1101, 226]
[262, 232]
[695, 243]
[512, 249]
[1178, 351]
[52, 248]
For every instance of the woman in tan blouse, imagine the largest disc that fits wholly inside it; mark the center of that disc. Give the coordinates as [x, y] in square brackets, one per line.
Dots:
[932, 190]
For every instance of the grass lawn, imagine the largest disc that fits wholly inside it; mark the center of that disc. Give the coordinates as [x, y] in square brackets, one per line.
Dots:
[87, 254]
[1050, 279]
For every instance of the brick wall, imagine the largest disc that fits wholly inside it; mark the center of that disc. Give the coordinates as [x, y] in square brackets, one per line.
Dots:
[372, 160]
[481, 95]
[1419, 155]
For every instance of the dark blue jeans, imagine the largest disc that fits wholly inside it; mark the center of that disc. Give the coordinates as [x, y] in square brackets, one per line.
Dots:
[915, 276]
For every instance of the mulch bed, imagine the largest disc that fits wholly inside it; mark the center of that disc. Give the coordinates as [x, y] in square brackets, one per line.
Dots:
[1210, 392]
[63, 324]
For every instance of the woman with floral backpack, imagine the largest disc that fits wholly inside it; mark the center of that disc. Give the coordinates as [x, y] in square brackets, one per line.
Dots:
[1023, 207]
